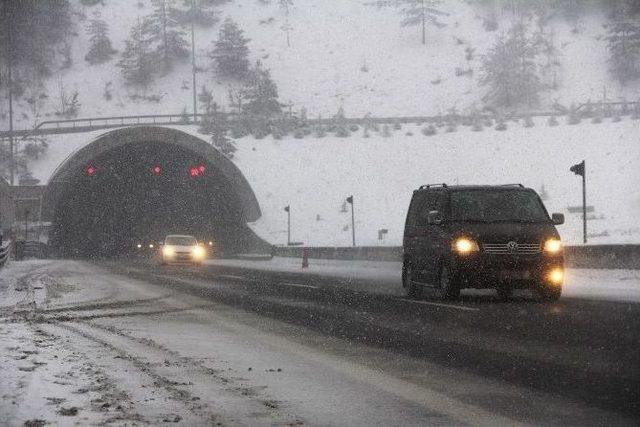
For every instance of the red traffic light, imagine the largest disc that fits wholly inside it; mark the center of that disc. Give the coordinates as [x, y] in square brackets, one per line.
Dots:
[90, 170]
[157, 170]
[196, 171]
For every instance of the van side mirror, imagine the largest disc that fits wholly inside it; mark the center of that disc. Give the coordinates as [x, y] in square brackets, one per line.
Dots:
[557, 218]
[434, 218]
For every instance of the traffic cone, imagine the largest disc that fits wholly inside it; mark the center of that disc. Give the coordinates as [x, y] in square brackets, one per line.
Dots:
[305, 258]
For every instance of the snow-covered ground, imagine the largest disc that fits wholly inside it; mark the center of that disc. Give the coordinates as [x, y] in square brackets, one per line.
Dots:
[331, 42]
[384, 277]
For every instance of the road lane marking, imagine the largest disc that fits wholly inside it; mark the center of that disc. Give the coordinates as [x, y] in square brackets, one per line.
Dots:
[297, 285]
[232, 277]
[439, 304]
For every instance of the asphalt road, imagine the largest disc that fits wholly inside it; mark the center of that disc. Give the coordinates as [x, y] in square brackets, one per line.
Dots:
[587, 353]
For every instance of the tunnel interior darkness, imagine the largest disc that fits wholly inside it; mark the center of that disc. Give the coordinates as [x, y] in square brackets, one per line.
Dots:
[139, 193]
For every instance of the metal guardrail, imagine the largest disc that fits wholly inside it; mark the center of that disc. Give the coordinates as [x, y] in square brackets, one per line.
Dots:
[620, 106]
[5, 251]
[588, 256]
[50, 127]
[97, 123]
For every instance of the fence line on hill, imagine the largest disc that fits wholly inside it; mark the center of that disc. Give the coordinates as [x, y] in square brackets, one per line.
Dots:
[79, 125]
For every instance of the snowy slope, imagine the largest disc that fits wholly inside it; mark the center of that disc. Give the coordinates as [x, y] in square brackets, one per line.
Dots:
[331, 41]
[314, 176]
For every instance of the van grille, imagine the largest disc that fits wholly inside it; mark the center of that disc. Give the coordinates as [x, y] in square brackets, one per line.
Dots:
[509, 249]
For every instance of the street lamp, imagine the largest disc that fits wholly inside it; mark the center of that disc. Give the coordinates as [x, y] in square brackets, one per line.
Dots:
[193, 60]
[26, 223]
[581, 169]
[353, 221]
[287, 209]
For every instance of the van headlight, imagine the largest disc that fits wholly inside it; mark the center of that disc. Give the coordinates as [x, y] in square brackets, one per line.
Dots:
[552, 246]
[556, 276]
[198, 252]
[465, 246]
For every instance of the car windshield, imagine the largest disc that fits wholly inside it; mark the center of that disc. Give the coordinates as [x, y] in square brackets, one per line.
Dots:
[497, 206]
[181, 241]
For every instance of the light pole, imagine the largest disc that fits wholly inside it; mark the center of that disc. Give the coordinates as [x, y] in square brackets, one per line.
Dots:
[8, 19]
[26, 223]
[287, 209]
[193, 59]
[581, 169]
[353, 220]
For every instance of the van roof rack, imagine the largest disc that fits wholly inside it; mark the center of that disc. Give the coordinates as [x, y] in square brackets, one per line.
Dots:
[422, 187]
[512, 185]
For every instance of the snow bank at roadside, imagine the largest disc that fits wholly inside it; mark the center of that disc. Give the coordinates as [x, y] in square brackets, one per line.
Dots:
[384, 277]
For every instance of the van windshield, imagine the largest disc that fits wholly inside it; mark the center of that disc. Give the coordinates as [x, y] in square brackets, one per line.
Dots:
[497, 206]
[181, 240]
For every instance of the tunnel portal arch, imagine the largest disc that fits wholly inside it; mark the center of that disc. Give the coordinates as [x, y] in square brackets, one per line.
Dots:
[223, 201]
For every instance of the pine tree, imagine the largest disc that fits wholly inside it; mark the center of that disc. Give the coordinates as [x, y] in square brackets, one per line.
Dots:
[286, 5]
[163, 29]
[624, 49]
[219, 133]
[340, 124]
[137, 63]
[100, 49]
[205, 97]
[510, 70]
[199, 12]
[262, 94]
[417, 13]
[35, 28]
[231, 51]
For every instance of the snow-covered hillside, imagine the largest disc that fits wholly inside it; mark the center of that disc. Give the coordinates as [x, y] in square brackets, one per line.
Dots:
[350, 54]
[331, 43]
[315, 175]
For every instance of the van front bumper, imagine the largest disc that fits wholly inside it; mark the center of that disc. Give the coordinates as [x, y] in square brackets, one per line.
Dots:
[519, 271]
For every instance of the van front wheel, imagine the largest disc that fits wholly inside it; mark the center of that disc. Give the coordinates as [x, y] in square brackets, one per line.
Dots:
[549, 294]
[447, 288]
[412, 289]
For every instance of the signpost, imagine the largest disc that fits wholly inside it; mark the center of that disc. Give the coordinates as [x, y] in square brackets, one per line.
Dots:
[580, 169]
[287, 209]
[353, 220]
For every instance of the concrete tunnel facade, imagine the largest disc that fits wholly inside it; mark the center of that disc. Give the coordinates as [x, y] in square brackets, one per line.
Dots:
[138, 184]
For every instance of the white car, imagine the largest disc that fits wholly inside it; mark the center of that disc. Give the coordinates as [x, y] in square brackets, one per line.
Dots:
[181, 249]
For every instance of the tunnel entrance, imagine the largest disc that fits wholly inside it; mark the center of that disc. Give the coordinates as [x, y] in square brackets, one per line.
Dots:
[138, 192]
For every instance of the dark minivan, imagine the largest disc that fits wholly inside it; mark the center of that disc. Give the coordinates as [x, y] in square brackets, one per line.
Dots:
[498, 237]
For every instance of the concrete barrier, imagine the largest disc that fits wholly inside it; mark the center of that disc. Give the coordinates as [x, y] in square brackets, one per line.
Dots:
[362, 253]
[603, 256]
[589, 256]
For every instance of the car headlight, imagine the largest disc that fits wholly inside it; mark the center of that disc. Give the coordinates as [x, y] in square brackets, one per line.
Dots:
[198, 252]
[464, 246]
[552, 246]
[168, 251]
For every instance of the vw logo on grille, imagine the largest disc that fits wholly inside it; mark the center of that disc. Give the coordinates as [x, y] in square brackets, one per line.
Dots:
[512, 247]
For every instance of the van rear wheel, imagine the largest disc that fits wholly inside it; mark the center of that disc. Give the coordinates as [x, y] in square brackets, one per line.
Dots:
[504, 291]
[412, 289]
[447, 288]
